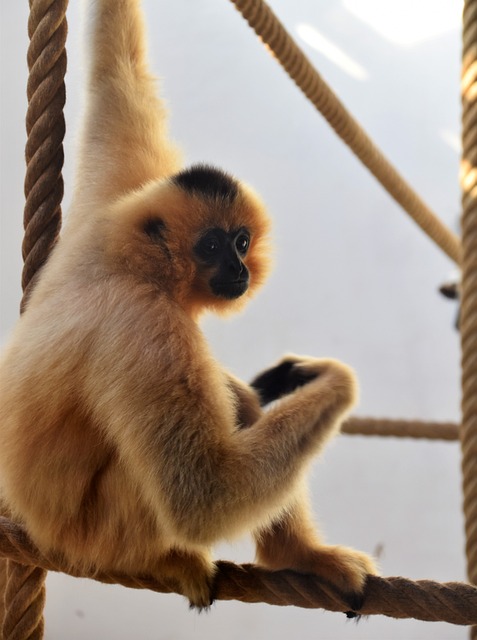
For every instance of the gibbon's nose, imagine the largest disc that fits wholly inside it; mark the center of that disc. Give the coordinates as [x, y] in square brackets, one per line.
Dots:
[235, 267]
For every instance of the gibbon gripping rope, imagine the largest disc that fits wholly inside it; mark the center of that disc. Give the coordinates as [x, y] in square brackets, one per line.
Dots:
[452, 602]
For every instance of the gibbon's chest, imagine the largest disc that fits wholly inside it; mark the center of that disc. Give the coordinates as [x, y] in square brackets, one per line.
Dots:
[166, 360]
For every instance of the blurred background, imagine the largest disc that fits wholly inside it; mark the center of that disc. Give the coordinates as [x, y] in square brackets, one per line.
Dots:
[354, 278]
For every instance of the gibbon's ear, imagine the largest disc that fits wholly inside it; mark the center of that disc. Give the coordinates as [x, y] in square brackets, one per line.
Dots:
[154, 227]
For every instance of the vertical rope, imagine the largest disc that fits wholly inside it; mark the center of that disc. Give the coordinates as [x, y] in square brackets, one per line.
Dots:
[45, 126]
[469, 286]
[25, 598]
[47, 29]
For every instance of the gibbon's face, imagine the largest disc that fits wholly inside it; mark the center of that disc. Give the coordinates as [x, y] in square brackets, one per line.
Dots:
[200, 234]
[228, 231]
[224, 252]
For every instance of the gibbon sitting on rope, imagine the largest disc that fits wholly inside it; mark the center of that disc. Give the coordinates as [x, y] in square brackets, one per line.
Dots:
[123, 445]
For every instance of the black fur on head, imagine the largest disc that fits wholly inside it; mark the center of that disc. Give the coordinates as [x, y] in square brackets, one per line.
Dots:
[207, 181]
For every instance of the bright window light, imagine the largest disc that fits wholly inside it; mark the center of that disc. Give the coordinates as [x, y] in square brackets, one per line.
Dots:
[451, 139]
[317, 41]
[408, 22]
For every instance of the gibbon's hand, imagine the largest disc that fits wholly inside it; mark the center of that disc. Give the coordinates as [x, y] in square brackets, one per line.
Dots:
[284, 378]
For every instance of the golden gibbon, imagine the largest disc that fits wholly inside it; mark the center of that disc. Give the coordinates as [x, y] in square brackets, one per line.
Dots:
[123, 444]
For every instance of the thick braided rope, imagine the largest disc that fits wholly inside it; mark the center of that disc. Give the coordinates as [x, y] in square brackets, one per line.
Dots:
[401, 428]
[24, 595]
[267, 26]
[45, 128]
[468, 323]
[452, 602]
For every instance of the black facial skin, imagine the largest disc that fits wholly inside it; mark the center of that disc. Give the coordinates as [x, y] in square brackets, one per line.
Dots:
[224, 252]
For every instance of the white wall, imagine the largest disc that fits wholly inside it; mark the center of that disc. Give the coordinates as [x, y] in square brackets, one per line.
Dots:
[354, 278]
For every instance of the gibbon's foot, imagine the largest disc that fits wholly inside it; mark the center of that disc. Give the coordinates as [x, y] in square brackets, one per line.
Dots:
[345, 568]
[190, 575]
[200, 608]
[199, 595]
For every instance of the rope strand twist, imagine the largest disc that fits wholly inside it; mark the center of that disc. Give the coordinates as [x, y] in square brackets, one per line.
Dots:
[452, 602]
[24, 595]
[468, 324]
[45, 124]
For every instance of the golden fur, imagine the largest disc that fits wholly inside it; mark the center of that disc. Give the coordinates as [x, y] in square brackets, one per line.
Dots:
[123, 444]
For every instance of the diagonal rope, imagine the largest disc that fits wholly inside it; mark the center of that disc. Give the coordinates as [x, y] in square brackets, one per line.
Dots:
[273, 34]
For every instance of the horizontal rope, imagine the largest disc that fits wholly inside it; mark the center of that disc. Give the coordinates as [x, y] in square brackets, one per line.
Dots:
[453, 602]
[274, 35]
[401, 428]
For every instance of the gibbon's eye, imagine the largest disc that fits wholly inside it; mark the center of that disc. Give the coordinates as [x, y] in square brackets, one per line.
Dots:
[242, 243]
[211, 245]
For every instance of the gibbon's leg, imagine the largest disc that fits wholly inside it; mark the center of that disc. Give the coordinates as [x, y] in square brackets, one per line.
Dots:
[292, 542]
[124, 139]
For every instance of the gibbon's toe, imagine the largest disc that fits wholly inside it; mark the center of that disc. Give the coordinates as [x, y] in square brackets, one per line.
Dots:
[192, 576]
[200, 596]
[344, 568]
[348, 570]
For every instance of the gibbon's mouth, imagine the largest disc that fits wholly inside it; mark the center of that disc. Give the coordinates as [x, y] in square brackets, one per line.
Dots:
[229, 290]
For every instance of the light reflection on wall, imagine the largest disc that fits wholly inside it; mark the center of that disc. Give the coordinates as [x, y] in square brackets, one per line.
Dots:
[312, 37]
[408, 22]
[452, 139]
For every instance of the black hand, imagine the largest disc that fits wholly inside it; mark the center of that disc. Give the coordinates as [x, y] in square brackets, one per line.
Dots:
[280, 380]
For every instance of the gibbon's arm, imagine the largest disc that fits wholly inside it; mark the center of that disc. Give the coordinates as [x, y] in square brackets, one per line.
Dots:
[124, 140]
[247, 401]
[213, 480]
